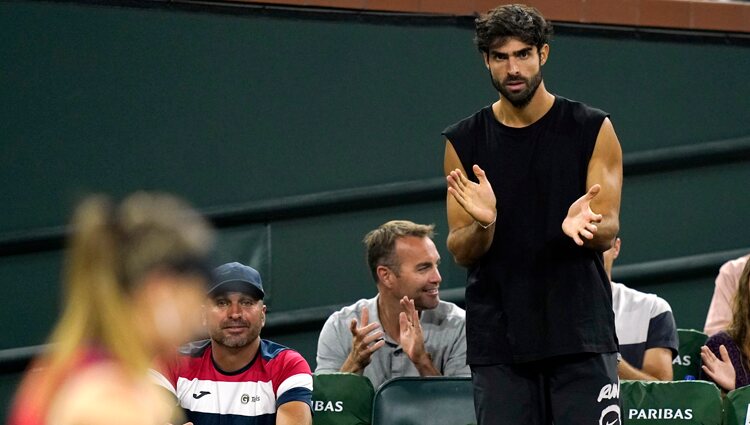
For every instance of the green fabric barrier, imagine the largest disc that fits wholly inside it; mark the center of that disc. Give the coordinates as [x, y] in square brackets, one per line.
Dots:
[342, 399]
[424, 400]
[737, 407]
[661, 403]
[688, 361]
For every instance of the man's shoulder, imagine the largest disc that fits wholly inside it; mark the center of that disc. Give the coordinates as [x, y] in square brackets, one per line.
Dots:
[354, 310]
[445, 311]
[190, 359]
[270, 350]
[283, 357]
[469, 123]
[632, 299]
[580, 111]
[195, 349]
[632, 296]
[450, 309]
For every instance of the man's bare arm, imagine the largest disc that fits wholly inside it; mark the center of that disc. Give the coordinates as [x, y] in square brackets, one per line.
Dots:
[657, 362]
[594, 219]
[294, 413]
[657, 366]
[468, 239]
[627, 371]
[605, 169]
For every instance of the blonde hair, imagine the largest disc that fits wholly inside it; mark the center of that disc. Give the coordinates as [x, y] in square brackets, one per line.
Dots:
[739, 329]
[109, 252]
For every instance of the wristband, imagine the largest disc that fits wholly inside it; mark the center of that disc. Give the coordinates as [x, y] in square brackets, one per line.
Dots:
[487, 226]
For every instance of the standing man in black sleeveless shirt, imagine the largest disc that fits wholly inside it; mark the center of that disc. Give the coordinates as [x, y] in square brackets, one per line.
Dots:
[534, 185]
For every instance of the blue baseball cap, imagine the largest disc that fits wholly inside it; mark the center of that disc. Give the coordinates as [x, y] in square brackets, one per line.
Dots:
[236, 277]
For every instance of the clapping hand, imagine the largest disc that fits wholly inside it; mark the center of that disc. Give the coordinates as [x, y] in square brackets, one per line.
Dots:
[581, 222]
[477, 199]
[366, 339]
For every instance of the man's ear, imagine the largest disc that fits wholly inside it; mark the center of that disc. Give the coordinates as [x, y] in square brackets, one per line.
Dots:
[616, 245]
[543, 54]
[385, 276]
[486, 59]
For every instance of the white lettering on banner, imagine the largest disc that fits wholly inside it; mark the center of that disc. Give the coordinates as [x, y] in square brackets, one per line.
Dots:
[609, 392]
[673, 414]
[328, 406]
[682, 360]
[747, 415]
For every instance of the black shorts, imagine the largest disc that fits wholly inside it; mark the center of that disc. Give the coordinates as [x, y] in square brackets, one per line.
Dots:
[580, 389]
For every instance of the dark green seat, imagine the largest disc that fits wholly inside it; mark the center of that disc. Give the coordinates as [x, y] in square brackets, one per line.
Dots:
[670, 403]
[428, 400]
[342, 399]
[737, 406]
[687, 364]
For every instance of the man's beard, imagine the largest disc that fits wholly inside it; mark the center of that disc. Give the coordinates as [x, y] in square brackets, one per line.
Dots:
[522, 98]
[233, 341]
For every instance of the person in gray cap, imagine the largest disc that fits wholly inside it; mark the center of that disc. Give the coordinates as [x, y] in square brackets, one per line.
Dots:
[235, 376]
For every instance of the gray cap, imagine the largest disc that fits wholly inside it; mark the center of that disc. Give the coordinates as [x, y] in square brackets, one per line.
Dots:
[236, 277]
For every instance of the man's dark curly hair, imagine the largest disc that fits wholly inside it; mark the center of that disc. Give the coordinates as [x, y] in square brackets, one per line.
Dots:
[512, 20]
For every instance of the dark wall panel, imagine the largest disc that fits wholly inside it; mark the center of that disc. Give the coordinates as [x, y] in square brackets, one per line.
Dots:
[29, 296]
[321, 260]
[686, 212]
[218, 108]
[660, 93]
[687, 298]
[305, 342]
[222, 108]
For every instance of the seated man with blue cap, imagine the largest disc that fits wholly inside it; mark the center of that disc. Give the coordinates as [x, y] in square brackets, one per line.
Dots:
[235, 377]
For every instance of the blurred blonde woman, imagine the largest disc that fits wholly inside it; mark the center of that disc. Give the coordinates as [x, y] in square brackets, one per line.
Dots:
[135, 276]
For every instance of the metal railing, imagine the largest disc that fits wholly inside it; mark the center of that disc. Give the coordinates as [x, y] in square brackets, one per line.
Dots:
[390, 194]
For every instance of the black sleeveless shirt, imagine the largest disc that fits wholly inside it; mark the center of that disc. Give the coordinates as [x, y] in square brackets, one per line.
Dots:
[535, 294]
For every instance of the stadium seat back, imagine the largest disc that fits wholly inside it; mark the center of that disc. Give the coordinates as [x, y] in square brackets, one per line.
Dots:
[687, 364]
[342, 399]
[662, 403]
[737, 407]
[424, 400]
